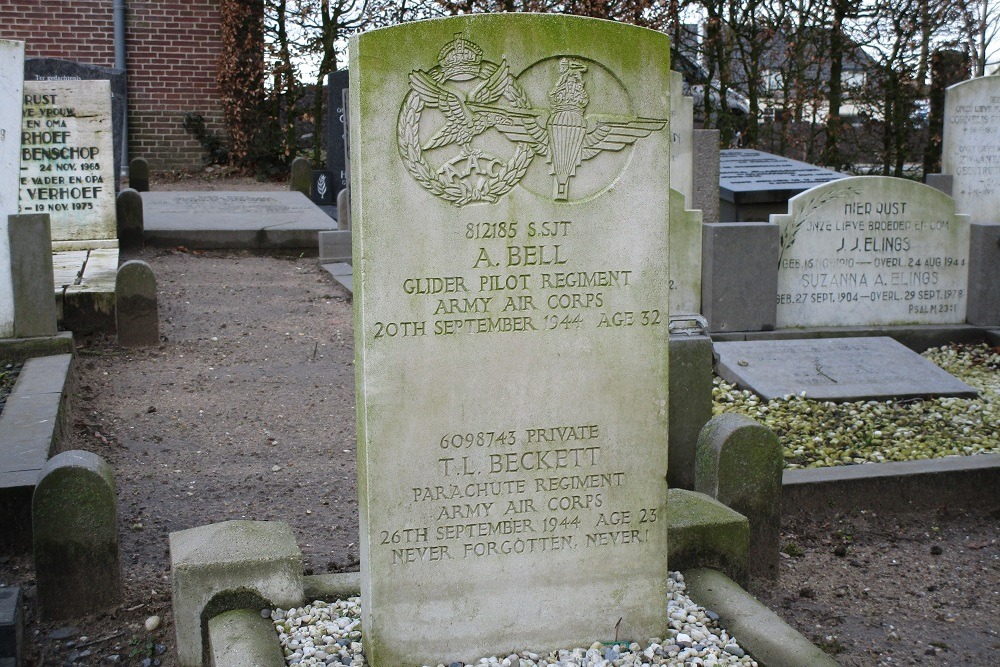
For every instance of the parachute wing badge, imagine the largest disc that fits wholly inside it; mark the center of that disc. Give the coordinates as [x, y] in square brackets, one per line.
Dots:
[616, 135]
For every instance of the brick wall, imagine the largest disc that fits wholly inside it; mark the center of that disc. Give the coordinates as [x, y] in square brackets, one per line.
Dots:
[173, 51]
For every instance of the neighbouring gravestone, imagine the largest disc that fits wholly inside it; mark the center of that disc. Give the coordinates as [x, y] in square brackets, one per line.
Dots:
[971, 146]
[67, 160]
[835, 369]
[681, 140]
[11, 82]
[754, 184]
[31, 275]
[322, 192]
[511, 212]
[54, 69]
[872, 250]
[128, 214]
[138, 174]
[75, 534]
[301, 178]
[136, 315]
[685, 257]
[336, 133]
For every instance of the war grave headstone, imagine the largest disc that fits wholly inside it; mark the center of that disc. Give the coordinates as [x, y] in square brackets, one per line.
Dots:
[67, 161]
[11, 82]
[754, 184]
[971, 146]
[511, 255]
[681, 139]
[55, 69]
[840, 369]
[336, 135]
[872, 250]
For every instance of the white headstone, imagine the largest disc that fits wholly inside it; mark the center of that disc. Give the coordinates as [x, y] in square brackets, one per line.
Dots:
[970, 149]
[67, 167]
[872, 250]
[681, 139]
[11, 82]
[511, 253]
[685, 258]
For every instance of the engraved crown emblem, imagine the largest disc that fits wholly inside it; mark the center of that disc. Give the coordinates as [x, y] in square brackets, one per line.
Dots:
[460, 58]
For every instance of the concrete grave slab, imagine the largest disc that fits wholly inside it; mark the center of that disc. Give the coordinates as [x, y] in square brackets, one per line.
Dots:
[872, 250]
[233, 219]
[11, 94]
[67, 158]
[970, 148]
[835, 369]
[255, 559]
[511, 296]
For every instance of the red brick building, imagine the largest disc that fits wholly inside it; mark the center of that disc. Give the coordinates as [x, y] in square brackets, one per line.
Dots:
[172, 54]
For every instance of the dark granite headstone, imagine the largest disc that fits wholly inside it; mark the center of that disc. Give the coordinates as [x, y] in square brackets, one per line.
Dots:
[54, 69]
[754, 184]
[323, 187]
[336, 129]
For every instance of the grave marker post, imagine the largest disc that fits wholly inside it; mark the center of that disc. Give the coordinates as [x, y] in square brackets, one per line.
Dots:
[511, 301]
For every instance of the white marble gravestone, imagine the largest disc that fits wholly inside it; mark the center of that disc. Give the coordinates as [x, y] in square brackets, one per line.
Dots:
[11, 82]
[681, 139]
[970, 149]
[67, 167]
[685, 257]
[872, 250]
[511, 263]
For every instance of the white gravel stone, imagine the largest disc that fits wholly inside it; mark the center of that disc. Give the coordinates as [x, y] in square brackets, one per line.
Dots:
[328, 633]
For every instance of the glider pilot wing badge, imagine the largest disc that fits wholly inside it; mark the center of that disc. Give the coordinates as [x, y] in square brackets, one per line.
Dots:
[479, 123]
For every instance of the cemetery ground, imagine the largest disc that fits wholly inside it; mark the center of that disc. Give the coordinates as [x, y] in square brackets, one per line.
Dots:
[246, 410]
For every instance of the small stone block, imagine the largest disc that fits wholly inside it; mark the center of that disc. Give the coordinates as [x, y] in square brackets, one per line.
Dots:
[207, 562]
[31, 275]
[983, 307]
[242, 638]
[690, 404]
[128, 207]
[942, 182]
[739, 463]
[11, 624]
[739, 277]
[136, 314]
[301, 180]
[705, 533]
[138, 174]
[335, 246]
[75, 525]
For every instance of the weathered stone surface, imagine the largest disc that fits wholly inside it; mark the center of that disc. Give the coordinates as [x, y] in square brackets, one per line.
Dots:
[970, 147]
[301, 178]
[838, 369]
[11, 85]
[344, 209]
[706, 174]
[690, 403]
[31, 275]
[685, 257]
[68, 170]
[706, 533]
[226, 566]
[739, 275]
[983, 306]
[241, 638]
[128, 205]
[75, 523]
[872, 250]
[136, 316]
[335, 246]
[555, 334]
[681, 140]
[138, 174]
[739, 463]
